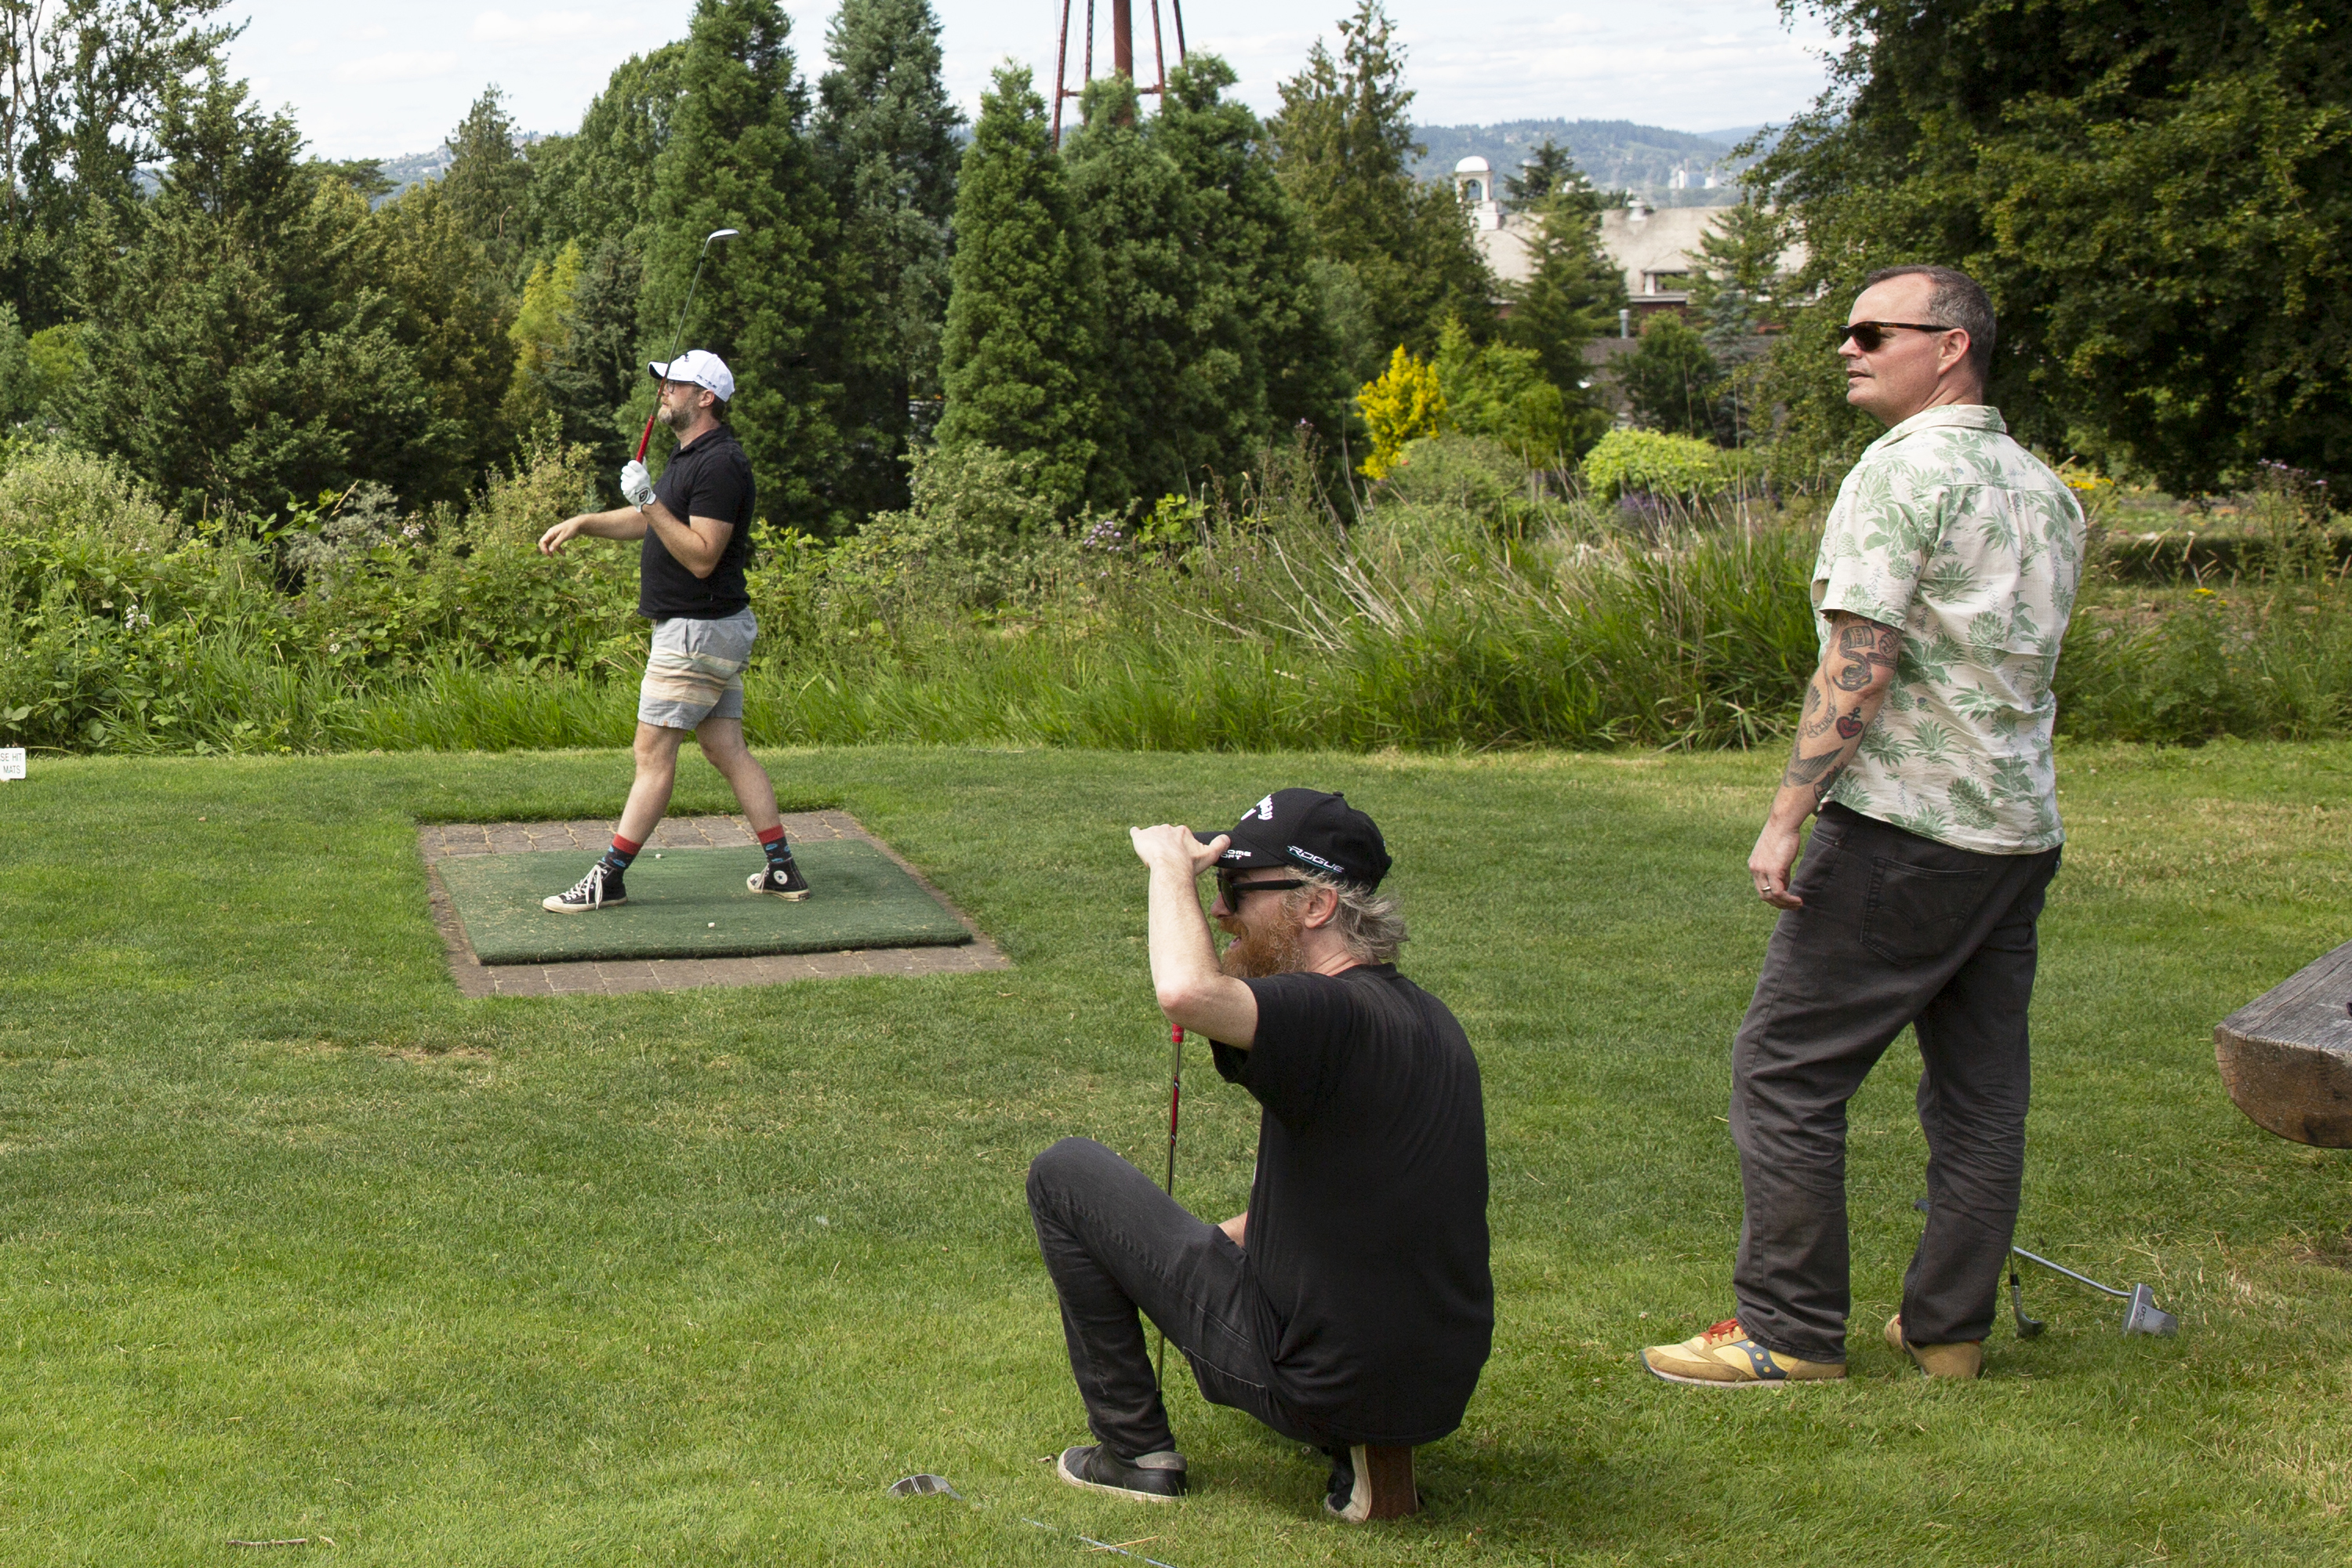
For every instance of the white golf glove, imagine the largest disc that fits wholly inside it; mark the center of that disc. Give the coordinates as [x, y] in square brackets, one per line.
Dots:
[638, 485]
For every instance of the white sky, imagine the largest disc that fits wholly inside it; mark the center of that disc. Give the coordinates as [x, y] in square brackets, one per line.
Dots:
[394, 79]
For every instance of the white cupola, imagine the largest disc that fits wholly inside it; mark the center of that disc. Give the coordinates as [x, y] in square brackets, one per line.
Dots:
[1473, 187]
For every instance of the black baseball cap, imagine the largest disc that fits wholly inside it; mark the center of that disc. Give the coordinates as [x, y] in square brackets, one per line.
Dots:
[1310, 830]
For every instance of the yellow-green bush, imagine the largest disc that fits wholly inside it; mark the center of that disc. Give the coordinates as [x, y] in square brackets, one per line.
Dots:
[1648, 463]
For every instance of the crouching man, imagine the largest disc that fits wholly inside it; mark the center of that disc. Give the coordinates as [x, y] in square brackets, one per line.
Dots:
[1350, 1305]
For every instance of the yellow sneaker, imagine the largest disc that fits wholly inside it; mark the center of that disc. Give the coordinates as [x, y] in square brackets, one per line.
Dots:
[1963, 1359]
[1725, 1357]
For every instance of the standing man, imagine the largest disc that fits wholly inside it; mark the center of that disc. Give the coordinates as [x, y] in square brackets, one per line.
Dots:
[696, 525]
[1350, 1305]
[1945, 580]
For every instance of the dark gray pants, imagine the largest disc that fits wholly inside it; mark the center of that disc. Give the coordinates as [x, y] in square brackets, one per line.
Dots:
[1114, 1244]
[1896, 929]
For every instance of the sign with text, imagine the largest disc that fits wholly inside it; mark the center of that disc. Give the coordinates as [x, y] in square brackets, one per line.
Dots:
[12, 762]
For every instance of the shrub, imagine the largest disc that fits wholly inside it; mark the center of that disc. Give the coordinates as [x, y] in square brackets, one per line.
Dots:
[1404, 405]
[1647, 463]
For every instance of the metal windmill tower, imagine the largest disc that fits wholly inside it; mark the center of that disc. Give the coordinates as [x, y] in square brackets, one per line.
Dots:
[1123, 50]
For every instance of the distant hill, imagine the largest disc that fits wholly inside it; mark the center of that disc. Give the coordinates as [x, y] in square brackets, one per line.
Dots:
[1611, 152]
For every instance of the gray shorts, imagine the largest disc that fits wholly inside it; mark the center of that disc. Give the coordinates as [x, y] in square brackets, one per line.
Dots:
[695, 670]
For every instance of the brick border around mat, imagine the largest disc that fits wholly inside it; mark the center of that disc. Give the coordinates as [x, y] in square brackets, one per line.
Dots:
[438, 841]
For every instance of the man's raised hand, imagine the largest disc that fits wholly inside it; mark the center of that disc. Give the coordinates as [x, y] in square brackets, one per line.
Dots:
[1174, 847]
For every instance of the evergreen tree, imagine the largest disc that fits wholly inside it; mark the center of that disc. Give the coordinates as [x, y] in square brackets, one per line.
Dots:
[597, 183]
[260, 337]
[1670, 379]
[738, 158]
[1732, 291]
[1343, 148]
[488, 184]
[1541, 173]
[886, 133]
[1019, 357]
[596, 369]
[1571, 296]
[83, 89]
[1271, 324]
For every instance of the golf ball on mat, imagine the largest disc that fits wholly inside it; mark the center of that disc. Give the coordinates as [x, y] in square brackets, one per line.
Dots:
[714, 925]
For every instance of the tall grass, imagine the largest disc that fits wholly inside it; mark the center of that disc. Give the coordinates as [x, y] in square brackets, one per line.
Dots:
[1463, 610]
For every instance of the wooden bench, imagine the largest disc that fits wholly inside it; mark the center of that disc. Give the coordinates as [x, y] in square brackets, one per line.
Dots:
[2287, 1057]
[1384, 1488]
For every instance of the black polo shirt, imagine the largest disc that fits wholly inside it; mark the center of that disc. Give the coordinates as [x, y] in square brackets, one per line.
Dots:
[1368, 1219]
[708, 477]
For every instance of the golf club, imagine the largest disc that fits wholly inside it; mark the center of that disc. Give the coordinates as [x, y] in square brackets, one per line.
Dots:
[2142, 1316]
[1175, 1097]
[679, 336]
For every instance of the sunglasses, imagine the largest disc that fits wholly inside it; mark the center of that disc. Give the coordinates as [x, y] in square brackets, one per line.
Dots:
[1229, 888]
[1870, 336]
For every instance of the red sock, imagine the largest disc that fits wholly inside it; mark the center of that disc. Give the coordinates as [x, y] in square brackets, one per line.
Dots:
[780, 853]
[621, 852]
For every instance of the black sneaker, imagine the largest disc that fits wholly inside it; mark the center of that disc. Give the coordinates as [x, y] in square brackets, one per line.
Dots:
[601, 889]
[1154, 1477]
[787, 883]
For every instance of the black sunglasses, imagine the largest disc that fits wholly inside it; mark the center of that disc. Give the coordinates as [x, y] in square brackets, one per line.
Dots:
[1869, 336]
[1230, 887]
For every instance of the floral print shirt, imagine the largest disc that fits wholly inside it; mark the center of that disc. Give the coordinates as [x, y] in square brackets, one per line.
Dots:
[1957, 535]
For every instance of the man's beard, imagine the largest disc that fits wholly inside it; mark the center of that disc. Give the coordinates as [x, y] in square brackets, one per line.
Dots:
[1267, 945]
[676, 415]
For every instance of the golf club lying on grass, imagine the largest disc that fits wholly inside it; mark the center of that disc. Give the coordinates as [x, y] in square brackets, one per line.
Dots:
[679, 336]
[2142, 1316]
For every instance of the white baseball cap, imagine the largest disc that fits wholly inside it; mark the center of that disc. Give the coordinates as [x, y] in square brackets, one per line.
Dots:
[701, 367]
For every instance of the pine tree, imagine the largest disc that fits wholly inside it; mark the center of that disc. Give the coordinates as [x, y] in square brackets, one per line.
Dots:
[598, 182]
[1541, 173]
[738, 158]
[886, 133]
[1343, 147]
[488, 184]
[1671, 381]
[1268, 359]
[1019, 357]
[1732, 291]
[1571, 296]
[597, 368]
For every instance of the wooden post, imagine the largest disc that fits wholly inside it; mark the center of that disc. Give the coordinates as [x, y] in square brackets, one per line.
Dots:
[2287, 1057]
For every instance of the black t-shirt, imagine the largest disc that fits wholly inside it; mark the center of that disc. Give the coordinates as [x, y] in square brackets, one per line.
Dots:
[708, 477]
[1368, 1219]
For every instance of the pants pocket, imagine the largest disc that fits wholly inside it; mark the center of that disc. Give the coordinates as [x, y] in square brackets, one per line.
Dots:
[1915, 913]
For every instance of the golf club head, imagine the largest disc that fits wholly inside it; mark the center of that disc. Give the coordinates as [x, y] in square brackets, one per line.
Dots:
[2027, 1327]
[719, 234]
[2145, 1317]
[924, 1485]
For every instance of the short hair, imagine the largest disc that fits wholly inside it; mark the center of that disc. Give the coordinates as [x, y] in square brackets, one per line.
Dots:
[1368, 923]
[1956, 300]
[718, 406]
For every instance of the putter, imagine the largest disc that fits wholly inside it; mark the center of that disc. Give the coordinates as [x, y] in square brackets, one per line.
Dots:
[1175, 1097]
[679, 336]
[924, 1485]
[2141, 1316]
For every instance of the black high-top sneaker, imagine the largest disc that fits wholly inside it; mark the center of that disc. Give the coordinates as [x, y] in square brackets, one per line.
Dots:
[601, 889]
[787, 883]
[1153, 1477]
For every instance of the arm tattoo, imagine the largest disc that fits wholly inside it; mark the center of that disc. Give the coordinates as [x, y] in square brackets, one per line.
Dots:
[1808, 770]
[1853, 676]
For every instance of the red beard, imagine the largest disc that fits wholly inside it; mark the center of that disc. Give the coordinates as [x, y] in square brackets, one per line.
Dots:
[1264, 946]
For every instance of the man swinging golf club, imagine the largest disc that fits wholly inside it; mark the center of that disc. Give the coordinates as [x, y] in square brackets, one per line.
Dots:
[1352, 1303]
[696, 528]
[1947, 572]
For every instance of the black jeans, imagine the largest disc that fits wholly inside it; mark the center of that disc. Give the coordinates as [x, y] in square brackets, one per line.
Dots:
[1896, 929]
[1114, 1244]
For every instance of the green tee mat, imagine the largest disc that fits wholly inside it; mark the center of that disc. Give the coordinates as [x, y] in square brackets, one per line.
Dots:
[692, 903]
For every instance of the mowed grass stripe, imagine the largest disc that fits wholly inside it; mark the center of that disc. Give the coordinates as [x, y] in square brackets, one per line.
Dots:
[294, 1240]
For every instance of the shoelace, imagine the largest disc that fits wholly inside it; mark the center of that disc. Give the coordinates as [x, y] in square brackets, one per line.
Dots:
[589, 889]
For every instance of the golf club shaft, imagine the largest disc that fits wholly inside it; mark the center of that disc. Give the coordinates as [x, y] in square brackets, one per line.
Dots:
[2062, 1269]
[675, 338]
[1175, 1100]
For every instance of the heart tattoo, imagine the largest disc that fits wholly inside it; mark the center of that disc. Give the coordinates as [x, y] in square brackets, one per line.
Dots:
[1848, 726]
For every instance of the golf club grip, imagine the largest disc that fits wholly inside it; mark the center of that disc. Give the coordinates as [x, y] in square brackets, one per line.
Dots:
[648, 435]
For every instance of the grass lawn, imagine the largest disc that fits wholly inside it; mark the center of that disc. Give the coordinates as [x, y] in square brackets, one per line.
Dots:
[294, 1241]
